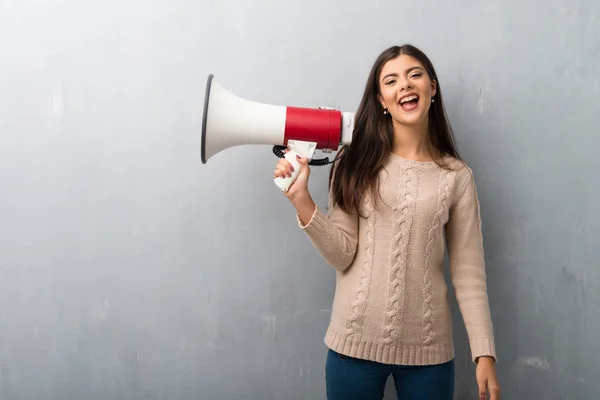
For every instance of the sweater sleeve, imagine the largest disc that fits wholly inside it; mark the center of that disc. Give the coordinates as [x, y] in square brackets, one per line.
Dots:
[334, 235]
[467, 267]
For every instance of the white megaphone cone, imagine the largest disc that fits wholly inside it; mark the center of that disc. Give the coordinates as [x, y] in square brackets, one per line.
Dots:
[230, 121]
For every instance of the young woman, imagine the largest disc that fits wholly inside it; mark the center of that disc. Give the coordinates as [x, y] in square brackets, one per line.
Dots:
[396, 192]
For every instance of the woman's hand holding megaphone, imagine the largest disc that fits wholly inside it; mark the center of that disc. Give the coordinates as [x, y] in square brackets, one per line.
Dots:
[285, 169]
[298, 191]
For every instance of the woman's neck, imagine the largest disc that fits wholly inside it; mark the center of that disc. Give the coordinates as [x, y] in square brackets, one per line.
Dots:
[413, 144]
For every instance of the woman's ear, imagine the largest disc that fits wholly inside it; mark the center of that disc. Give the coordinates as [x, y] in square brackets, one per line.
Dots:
[433, 87]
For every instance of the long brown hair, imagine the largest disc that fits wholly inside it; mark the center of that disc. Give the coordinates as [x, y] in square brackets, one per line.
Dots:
[358, 164]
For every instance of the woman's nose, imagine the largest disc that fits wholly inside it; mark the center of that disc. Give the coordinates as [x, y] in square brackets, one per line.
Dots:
[406, 85]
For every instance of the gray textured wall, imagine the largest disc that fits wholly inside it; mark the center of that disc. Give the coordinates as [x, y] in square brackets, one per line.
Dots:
[129, 270]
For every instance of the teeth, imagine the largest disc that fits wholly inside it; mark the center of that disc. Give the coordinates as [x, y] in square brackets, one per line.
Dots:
[408, 98]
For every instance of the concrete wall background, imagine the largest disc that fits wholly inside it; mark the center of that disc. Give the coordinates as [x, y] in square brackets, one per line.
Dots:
[129, 270]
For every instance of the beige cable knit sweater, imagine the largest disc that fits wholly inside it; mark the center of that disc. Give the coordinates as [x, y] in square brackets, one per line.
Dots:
[390, 301]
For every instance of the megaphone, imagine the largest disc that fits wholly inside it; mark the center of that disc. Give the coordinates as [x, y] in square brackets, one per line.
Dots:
[229, 121]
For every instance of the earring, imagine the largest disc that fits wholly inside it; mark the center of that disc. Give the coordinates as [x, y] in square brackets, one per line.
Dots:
[385, 110]
[432, 100]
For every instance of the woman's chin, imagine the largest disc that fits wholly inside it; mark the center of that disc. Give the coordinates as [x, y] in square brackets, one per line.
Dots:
[410, 120]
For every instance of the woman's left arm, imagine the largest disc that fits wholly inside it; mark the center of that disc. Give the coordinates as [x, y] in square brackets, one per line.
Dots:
[467, 269]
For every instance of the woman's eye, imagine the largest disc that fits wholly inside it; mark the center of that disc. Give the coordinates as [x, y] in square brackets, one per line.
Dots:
[416, 75]
[390, 82]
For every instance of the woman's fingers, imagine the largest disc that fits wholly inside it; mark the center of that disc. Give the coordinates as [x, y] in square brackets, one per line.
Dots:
[283, 168]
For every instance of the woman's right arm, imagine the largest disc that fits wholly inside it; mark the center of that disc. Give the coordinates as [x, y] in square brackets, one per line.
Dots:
[334, 235]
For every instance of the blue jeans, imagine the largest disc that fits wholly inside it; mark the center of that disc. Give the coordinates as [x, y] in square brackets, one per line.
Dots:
[349, 378]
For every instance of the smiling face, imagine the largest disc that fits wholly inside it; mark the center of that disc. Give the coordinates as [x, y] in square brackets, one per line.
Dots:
[406, 91]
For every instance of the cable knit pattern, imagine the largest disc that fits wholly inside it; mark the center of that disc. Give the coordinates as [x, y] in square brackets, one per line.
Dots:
[404, 210]
[354, 323]
[390, 301]
[434, 233]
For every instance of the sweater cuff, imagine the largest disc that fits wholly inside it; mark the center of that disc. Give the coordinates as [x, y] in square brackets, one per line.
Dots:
[483, 346]
[316, 220]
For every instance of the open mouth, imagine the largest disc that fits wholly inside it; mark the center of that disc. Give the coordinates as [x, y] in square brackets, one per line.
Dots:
[410, 102]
